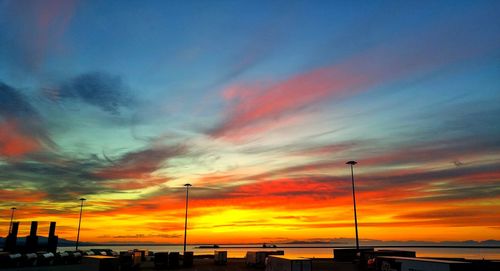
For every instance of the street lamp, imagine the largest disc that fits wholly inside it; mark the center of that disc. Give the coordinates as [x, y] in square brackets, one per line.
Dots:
[186, 219]
[79, 223]
[352, 163]
[11, 218]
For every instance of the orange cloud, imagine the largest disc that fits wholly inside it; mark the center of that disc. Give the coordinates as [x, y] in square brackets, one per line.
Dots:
[14, 143]
[21, 195]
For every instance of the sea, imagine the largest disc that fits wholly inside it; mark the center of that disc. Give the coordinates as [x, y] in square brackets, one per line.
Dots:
[307, 250]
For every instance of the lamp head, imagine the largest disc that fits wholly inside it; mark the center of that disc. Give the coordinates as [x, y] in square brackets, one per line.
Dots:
[13, 208]
[187, 185]
[351, 163]
[82, 199]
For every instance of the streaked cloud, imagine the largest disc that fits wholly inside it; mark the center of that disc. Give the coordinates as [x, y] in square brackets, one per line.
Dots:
[255, 108]
[35, 32]
[140, 164]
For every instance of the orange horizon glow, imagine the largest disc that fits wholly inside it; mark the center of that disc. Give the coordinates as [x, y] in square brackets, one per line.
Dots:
[273, 212]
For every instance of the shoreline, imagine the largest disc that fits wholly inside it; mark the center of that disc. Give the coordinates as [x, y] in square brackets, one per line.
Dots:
[298, 246]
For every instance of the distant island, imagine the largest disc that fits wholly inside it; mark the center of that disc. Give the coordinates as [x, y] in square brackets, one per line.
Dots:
[373, 242]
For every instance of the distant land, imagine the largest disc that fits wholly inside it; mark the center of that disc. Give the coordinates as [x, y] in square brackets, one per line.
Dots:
[42, 240]
[332, 242]
[368, 242]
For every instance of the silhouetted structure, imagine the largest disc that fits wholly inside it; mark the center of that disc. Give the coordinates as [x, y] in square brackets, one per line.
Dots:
[258, 258]
[187, 259]
[173, 259]
[161, 260]
[186, 219]
[32, 239]
[220, 257]
[11, 240]
[79, 223]
[352, 163]
[52, 238]
[31, 245]
[11, 218]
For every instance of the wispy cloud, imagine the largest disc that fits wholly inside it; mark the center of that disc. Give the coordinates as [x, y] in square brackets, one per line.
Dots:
[140, 164]
[37, 28]
[256, 105]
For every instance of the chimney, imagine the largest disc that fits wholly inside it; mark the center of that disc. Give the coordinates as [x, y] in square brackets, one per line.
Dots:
[15, 229]
[32, 239]
[11, 241]
[52, 230]
[34, 227]
[53, 238]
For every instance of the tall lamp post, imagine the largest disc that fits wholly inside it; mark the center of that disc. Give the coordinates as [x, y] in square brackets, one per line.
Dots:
[11, 218]
[186, 218]
[79, 223]
[352, 163]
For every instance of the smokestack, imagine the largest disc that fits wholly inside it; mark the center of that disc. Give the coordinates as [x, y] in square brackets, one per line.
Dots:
[15, 229]
[52, 229]
[34, 227]
[32, 239]
[11, 241]
[53, 238]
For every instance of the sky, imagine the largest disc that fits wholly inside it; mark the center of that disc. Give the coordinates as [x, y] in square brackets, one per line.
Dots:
[257, 104]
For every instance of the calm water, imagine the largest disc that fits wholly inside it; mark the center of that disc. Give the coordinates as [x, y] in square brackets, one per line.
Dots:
[319, 251]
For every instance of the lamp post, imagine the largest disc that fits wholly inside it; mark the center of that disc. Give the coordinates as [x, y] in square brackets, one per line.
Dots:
[186, 218]
[79, 223]
[352, 163]
[11, 218]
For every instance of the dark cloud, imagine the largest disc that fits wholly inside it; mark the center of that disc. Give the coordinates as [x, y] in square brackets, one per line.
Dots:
[428, 176]
[468, 182]
[99, 89]
[298, 169]
[305, 149]
[457, 151]
[198, 192]
[476, 192]
[64, 178]
[140, 163]
[60, 178]
[451, 149]
[14, 104]
[312, 187]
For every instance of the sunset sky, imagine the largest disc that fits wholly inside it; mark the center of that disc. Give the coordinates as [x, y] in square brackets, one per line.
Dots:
[258, 104]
